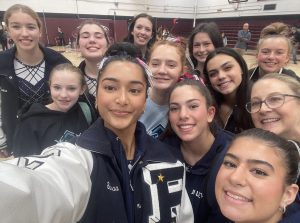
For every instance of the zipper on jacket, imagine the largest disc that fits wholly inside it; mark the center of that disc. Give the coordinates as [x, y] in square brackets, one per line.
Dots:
[130, 172]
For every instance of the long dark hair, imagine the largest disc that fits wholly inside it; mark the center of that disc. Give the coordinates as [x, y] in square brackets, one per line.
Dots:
[123, 51]
[241, 116]
[287, 149]
[203, 90]
[212, 31]
[129, 37]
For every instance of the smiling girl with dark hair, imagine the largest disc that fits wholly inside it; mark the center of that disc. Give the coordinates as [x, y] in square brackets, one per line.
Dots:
[226, 73]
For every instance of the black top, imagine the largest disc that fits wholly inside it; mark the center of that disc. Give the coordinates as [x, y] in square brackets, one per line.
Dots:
[41, 127]
[254, 73]
[10, 104]
[87, 97]
[197, 176]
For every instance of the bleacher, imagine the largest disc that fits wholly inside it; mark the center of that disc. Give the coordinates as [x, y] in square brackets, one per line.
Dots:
[231, 28]
[231, 33]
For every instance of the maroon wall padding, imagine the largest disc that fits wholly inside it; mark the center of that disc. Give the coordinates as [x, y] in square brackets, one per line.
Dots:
[69, 27]
[182, 27]
[231, 26]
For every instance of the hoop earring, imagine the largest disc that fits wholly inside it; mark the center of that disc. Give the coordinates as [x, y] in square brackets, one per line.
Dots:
[282, 209]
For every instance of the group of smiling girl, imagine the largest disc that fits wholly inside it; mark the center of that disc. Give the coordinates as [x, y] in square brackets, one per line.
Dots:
[250, 177]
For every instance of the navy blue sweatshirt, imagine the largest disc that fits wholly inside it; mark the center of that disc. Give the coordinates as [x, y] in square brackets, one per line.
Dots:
[197, 175]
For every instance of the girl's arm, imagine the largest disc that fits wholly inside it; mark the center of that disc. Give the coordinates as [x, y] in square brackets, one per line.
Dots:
[51, 188]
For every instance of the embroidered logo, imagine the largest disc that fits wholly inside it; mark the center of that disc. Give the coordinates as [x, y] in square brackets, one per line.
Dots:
[112, 188]
[197, 193]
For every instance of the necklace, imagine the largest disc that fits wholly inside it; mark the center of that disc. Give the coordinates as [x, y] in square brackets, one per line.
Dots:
[225, 113]
[227, 117]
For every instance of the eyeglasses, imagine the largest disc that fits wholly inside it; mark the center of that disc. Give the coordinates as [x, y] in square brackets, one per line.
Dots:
[273, 101]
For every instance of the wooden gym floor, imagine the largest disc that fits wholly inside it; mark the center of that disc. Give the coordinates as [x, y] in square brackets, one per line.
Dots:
[75, 57]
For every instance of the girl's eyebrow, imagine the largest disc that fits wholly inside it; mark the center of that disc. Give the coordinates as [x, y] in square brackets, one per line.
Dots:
[222, 65]
[86, 32]
[251, 161]
[136, 82]
[116, 80]
[261, 162]
[226, 63]
[18, 23]
[110, 79]
[188, 101]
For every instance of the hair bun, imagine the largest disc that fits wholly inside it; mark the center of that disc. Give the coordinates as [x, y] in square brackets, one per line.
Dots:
[123, 49]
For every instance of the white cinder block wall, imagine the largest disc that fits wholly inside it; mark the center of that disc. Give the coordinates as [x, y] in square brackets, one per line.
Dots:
[160, 8]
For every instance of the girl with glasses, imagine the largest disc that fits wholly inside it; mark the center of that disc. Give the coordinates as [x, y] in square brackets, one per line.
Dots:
[275, 105]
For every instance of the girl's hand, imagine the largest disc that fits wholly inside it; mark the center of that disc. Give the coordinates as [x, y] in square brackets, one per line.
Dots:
[4, 155]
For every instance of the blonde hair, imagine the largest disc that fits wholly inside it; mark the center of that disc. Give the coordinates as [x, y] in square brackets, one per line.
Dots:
[67, 67]
[291, 82]
[288, 42]
[24, 9]
[275, 30]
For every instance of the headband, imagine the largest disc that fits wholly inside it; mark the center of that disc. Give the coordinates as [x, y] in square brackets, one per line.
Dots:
[142, 63]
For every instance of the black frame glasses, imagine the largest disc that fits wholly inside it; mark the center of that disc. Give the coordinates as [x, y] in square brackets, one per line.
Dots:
[272, 101]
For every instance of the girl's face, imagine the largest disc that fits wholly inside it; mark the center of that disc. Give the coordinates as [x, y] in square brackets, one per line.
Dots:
[250, 185]
[142, 31]
[92, 42]
[225, 74]
[65, 88]
[202, 46]
[188, 113]
[284, 120]
[273, 54]
[24, 31]
[121, 96]
[166, 67]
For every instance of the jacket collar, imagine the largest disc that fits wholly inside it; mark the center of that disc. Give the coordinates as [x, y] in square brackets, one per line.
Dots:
[97, 139]
[255, 74]
[221, 142]
[49, 55]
